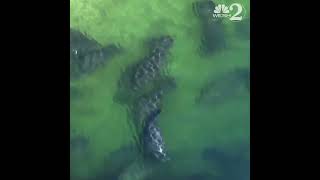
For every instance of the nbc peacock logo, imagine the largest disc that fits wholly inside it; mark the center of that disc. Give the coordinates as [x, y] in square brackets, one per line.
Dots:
[221, 9]
[234, 12]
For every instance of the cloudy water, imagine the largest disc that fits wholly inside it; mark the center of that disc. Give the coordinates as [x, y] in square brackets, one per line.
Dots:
[159, 90]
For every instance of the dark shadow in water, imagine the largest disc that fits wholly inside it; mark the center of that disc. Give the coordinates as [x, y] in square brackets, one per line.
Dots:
[232, 166]
[195, 176]
[117, 162]
[79, 144]
[225, 87]
[86, 54]
[213, 36]
[243, 29]
[199, 176]
[79, 151]
[75, 93]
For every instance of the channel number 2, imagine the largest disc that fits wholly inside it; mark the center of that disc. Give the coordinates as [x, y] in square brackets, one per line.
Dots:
[236, 16]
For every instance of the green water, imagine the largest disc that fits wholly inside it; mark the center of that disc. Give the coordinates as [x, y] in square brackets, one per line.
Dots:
[187, 128]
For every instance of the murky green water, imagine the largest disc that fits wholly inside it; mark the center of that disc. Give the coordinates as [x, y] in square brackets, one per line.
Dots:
[188, 128]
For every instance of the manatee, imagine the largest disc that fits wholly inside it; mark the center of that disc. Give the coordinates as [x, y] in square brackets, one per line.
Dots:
[145, 111]
[117, 162]
[213, 38]
[141, 88]
[126, 163]
[86, 54]
[228, 85]
[145, 74]
[82, 42]
[147, 103]
[154, 146]
[150, 67]
[203, 9]
[231, 165]
[137, 171]
[213, 32]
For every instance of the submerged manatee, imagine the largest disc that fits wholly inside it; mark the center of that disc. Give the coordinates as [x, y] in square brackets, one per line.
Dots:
[213, 36]
[147, 103]
[243, 29]
[203, 9]
[125, 164]
[79, 145]
[145, 111]
[140, 77]
[81, 42]
[150, 67]
[153, 142]
[141, 88]
[86, 54]
[136, 171]
[231, 165]
[226, 86]
[117, 162]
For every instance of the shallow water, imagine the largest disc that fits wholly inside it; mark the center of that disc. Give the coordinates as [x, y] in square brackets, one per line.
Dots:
[188, 129]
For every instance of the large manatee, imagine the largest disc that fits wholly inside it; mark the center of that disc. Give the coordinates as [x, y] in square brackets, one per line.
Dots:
[213, 32]
[154, 146]
[86, 54]
[145, 74]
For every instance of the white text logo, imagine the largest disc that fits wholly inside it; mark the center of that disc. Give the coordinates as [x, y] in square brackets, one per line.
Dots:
[234, 12]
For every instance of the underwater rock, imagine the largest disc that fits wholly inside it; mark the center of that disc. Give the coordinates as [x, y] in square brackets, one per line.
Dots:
[86, 54]
[213, 35]
[226, 86]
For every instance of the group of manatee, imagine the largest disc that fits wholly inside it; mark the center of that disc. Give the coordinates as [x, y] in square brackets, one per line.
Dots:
[147, 85]
[143, 85]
